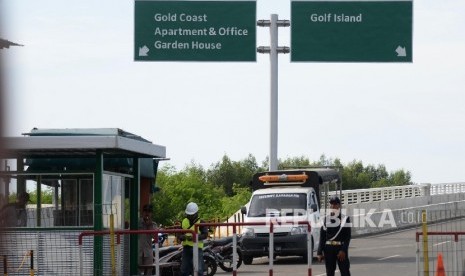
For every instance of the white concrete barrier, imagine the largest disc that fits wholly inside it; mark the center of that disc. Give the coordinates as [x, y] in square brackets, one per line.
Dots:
[378, 217]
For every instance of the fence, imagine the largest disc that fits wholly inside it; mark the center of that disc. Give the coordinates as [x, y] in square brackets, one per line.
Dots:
[449, 244]
[54, 252]
[399, 192]
[84, 259]
[271, 224]
[117, 266]
[26, 264]
[438, 237]
[53, 239]
[447, 188]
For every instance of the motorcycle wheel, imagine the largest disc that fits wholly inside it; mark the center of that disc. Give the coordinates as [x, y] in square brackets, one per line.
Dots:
[209, 266]
[227, 263]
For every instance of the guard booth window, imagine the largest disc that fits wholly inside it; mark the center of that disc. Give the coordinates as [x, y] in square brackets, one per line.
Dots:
[73, 203]
[54, 200]
[113, 199]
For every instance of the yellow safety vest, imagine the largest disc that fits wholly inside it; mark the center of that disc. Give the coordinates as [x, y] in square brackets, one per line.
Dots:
[185, 225]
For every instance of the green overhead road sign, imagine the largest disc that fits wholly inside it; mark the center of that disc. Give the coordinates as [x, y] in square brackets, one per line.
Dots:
[351, 31]
[195, 30]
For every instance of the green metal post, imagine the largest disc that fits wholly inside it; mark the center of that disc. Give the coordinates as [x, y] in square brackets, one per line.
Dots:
[39, 201]
[98, 216]
[134, 199]
[21, 186]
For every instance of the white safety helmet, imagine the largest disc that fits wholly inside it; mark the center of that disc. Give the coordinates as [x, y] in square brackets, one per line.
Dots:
[191, 208]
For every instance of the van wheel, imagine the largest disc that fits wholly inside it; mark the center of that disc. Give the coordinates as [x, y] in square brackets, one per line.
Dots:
[247, 259]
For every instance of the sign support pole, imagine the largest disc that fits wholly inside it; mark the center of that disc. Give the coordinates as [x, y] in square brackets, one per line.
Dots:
[273, 50]
[274, 93]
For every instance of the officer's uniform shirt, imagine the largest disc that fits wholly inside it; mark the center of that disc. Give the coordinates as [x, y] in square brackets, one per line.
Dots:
[329, 231]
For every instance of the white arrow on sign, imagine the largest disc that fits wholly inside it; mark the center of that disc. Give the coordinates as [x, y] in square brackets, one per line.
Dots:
[401, 52]
[143, 51]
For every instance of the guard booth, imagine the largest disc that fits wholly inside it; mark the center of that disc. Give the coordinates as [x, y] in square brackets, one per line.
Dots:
[76, 180]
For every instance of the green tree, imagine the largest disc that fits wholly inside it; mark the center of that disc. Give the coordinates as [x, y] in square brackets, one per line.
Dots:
[396, 178]
[227, 173]
[304, 162]
[46, 196]
[356, 176]
[179, 188]
[222, 189]
[234, 203]
[294, 162]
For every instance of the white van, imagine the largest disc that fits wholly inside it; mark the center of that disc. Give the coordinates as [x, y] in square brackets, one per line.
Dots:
[286, 197]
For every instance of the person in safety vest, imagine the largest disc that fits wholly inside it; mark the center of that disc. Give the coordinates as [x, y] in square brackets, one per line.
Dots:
[335, 237]
[192, 217]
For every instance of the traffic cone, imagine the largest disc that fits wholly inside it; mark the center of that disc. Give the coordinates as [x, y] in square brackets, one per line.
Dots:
[440, 271]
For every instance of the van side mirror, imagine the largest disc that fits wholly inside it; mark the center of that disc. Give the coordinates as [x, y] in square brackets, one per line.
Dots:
[314, 207]
[243, 210]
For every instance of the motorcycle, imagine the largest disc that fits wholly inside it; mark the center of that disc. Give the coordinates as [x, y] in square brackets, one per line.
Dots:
[222, 251]
[162, 237]
[171, 259]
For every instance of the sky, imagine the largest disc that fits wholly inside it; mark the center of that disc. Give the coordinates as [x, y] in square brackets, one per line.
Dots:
[77, 70]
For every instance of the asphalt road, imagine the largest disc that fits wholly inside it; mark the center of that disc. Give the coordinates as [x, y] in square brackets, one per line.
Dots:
[387, 254]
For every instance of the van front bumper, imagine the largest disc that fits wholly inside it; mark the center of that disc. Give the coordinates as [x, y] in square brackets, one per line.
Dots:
[284, 245]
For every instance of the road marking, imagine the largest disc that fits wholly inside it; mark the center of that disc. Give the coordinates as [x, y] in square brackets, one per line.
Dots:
[436, 244]
[389, 257]
[324, 274]
[384, 247]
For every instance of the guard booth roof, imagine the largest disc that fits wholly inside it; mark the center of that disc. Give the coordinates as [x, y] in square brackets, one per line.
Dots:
[85, 132]
[83, 161]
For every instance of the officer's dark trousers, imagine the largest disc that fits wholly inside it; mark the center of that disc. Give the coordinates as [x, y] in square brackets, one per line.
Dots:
[330, 253]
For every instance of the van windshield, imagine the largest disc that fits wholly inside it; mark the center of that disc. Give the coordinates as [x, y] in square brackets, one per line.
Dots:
[280, 204]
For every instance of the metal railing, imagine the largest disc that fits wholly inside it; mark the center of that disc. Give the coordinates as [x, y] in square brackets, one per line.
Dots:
[155, 232]
[399, 192]
[271, 224]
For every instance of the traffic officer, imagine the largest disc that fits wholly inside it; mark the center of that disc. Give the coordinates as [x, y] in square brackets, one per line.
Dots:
[335, 237]
[192, 217]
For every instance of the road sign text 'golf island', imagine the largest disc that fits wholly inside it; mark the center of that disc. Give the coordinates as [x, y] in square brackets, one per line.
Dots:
[195, 30]
[351, 31]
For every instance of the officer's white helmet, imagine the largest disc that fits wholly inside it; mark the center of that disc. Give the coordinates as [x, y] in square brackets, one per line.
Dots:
[191, 208]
